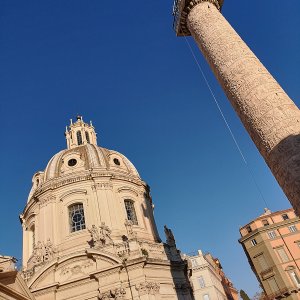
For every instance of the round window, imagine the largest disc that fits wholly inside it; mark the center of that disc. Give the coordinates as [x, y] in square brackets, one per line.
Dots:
[77, 217]
[72, 162]
[116, 161]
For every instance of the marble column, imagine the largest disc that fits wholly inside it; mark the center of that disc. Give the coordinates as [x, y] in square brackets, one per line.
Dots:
[271, 118]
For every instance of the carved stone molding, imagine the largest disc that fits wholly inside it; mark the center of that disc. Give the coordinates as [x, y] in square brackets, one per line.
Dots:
[129, 228]
[43, 252]
[122, 249]
[117, 294]
[102, 186]
[45, 201]
[53, 184]
[77, 269]
[75, 191]
[181, 10]
[151, 288]
[128, 189]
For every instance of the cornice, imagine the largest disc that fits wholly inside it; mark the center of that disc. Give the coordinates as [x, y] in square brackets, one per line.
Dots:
[56, 183]
[12, 293]
[271, 227]
[181, 10]
[75, 191]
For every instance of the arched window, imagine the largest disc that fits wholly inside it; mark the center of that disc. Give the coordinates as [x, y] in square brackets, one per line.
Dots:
[76, 217]
[131, 215]
[79, 138]
[87, 137]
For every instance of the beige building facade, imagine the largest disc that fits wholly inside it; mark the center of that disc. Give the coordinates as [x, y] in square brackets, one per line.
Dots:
[272, 245]
[208, 280]
[12, 285]
[89, 230]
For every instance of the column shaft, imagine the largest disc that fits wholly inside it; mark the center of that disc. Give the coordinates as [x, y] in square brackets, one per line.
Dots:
[269, 115]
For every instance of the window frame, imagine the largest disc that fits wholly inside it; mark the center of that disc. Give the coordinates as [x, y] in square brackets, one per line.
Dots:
[265, 222]
[249, 229]
[253, 242]
[129, 216]
[283, 256]
[79, 137]
[87, 137]
[285, 217]
[206, 297]
[295, 278]
[294, 228]
[201, 282]
[82, 225]
[194, 262]
[272, 234]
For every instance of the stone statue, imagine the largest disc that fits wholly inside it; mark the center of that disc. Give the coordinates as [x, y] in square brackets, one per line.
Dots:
[105, 233]
[117, 294]
[38, 253]
[170, 240]
[129, 228]
[94, 234]
[42, 252]
[100, 236]
[49, 251]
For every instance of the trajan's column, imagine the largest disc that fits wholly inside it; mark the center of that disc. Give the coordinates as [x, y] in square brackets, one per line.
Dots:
[271, 118]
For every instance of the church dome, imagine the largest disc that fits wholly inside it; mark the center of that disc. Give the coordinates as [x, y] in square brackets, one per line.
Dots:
[83, 156]
[88, 157]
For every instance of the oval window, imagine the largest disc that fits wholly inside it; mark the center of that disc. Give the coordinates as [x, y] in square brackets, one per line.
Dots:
[72, 162]
[116, 161]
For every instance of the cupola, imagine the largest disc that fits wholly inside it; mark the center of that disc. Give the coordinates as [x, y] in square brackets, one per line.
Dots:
[80, 133]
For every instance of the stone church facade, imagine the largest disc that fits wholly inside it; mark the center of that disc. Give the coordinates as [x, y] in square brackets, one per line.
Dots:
[89, 230]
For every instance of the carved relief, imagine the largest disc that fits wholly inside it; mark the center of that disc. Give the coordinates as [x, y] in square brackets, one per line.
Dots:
[129, 228]
[269, 115]
[122, 249]
[100, 236]
[45, 201]
[42, 252]
[117, 294]
[146, 287]
[102, 186]
[153, 250]
[76, 269]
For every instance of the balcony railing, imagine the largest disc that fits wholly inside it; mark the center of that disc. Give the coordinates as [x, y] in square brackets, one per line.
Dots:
[282, 293]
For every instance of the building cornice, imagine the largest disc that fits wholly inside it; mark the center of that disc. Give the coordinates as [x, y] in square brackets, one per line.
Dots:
[270, 227]
[181, 10]
[56, 183]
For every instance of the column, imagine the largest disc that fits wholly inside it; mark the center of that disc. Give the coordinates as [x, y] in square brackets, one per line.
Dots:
[268, 114]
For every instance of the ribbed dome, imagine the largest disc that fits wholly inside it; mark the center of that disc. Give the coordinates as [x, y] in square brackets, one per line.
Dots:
[87, 157]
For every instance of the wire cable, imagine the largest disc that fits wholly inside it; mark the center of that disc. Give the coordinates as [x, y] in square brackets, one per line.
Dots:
[225, 121]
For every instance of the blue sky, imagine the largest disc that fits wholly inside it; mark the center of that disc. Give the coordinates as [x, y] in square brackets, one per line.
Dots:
[121, 65]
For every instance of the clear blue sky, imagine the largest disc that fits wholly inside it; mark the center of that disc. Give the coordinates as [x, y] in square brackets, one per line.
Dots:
[120, 64]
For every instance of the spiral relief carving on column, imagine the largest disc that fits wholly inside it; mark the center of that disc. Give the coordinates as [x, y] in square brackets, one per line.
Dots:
[268, 114]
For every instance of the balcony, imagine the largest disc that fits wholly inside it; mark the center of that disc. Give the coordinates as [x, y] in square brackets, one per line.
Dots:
[282, 293]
